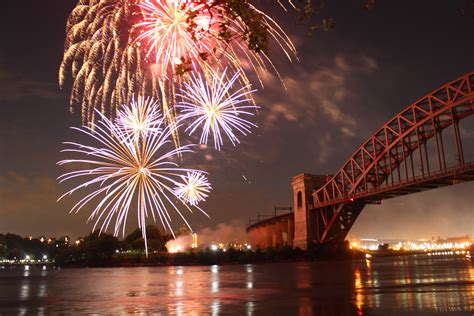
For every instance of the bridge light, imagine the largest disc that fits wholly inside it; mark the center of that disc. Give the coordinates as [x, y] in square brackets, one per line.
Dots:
[351, 199]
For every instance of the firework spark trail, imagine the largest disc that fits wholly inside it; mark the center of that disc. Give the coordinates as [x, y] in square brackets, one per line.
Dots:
[125, 171]
[114, 49]
[214, 106]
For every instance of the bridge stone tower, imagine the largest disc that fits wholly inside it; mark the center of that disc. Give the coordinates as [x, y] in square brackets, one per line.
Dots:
[305, 221]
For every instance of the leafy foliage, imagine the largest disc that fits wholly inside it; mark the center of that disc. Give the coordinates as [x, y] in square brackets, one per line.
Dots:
[155, 238]
[308, 12]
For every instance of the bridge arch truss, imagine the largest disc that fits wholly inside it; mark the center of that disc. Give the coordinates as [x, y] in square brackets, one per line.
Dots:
[407, 154]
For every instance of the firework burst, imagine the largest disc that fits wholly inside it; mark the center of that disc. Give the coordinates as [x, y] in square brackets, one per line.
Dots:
[126, 171]
[165, 34]
[216, 107]
[139, 119]
[194, 188]
[115, 49]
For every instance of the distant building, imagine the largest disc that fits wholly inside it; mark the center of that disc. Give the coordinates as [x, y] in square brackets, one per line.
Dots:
[459, 240]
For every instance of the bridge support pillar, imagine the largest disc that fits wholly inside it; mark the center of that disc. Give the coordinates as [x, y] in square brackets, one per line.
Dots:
[270, 235]
[253, 238]
[262, 240]
[303, 186]
[278, 235]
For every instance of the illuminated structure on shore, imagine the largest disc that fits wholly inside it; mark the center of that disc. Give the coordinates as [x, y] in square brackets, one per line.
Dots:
[458, 243]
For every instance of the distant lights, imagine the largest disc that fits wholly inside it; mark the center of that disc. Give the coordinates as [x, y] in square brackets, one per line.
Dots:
[190, 243]
[419, 245]
[194, 244]
[175, 249]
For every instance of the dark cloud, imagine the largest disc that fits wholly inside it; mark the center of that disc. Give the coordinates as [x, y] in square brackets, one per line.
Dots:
[20, 192]
[15, 87]
[28, 206]
[317, 98]
[315, 95]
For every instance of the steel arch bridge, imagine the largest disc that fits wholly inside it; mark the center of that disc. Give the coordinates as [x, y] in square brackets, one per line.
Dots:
[421, 148]
[407, 154]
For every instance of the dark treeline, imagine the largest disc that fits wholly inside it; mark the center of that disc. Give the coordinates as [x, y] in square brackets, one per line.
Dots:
[92, 250]
[105, 250]
[100, 252]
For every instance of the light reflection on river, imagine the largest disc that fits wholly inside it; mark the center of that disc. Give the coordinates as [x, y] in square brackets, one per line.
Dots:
[383, 286]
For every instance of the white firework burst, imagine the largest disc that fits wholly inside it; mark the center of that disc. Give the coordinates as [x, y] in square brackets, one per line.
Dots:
[140, 119]
[217, 107]
[126, 171]
[194, 189]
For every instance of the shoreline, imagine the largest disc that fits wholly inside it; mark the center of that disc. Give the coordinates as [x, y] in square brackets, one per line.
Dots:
[217, 258]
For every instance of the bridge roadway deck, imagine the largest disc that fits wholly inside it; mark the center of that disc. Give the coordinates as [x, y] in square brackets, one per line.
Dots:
[420, 183]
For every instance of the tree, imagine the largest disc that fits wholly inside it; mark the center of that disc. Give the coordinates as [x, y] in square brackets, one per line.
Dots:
[309, 13]
[183, 231]
[156, 240]
[15, 254]
[383, 247]
[98, 249]
[253, 30]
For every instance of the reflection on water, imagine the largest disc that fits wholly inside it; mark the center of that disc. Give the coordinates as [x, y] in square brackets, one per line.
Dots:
[416, 283]
[397, 285]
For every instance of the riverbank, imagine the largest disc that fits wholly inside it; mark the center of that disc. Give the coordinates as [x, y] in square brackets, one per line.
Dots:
[208, 257]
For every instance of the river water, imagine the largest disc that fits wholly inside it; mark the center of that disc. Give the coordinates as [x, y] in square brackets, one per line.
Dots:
[412, 285]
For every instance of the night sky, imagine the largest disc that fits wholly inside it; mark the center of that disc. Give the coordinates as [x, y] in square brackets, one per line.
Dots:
[349, 81]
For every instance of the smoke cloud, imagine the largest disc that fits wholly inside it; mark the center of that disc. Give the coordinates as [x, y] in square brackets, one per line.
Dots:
[233, 232]
[223, 233]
